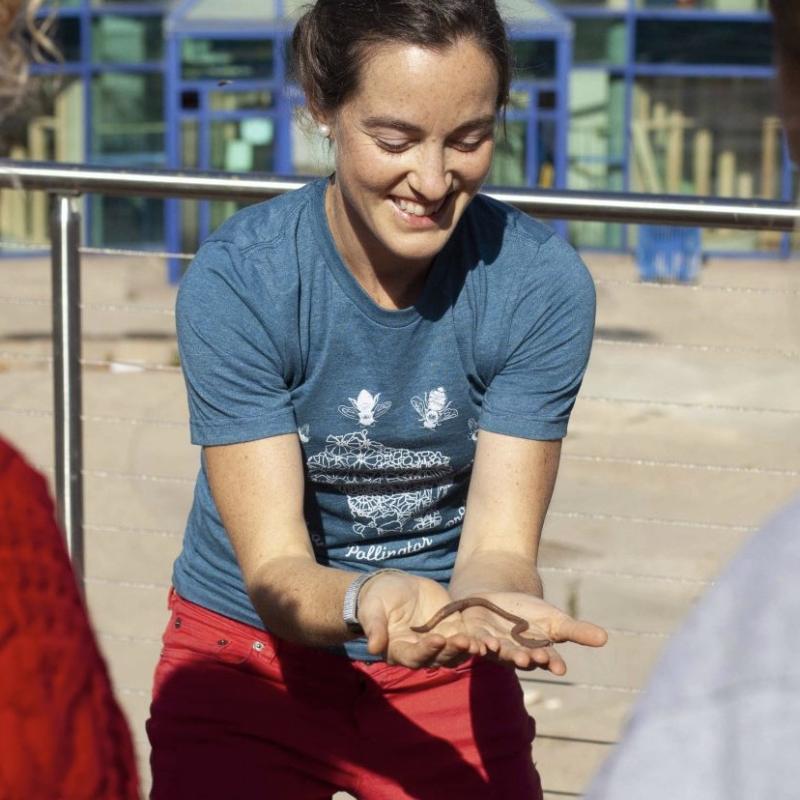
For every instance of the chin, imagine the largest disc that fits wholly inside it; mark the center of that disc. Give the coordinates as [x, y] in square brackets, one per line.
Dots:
[417, 250]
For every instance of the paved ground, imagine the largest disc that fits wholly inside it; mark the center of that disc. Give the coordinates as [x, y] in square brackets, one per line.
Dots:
[686, 437]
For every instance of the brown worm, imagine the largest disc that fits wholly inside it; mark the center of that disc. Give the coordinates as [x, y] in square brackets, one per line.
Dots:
[520, 624]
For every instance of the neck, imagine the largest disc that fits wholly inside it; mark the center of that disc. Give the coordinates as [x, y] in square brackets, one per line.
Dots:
[390, 281]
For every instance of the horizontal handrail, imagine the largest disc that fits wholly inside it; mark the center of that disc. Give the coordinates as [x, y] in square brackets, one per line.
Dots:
[592, 206]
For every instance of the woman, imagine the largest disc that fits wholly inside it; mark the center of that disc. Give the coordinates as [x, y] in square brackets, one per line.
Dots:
[343, 346]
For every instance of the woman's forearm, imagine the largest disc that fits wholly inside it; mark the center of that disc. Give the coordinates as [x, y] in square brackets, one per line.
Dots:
[301, 601]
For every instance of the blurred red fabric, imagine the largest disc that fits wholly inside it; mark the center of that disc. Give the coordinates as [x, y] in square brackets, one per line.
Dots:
[63, 734]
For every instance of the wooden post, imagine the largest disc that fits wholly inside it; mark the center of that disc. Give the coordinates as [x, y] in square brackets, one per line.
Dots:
[37, 141]
[702, 162]
[675, 152]
[745, 185]
[646, 161]
[726, 173]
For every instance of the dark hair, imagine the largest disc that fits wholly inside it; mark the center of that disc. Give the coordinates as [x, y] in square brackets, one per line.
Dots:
[331, 41]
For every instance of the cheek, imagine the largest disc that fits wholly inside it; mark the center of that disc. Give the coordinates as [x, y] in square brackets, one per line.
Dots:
[364, 171]
[473, 168]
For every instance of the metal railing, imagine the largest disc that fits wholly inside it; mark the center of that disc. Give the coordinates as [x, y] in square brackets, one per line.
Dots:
[68, 180]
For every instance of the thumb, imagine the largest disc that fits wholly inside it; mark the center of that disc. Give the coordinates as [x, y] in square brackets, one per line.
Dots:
[376, 630]
[580, 632]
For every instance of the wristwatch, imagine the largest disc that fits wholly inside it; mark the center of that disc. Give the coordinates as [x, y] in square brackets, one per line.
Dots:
[350, 607]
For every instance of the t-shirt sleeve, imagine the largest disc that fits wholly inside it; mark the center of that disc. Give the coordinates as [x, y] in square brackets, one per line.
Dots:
[232, 348]
[548, 340]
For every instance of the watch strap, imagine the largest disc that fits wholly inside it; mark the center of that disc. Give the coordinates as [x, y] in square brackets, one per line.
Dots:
[350, 606]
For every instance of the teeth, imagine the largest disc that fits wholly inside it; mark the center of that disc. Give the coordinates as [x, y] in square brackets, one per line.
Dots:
[416, 209]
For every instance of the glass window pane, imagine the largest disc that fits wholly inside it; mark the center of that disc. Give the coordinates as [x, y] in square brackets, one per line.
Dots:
[597, 116]
[546, 154]
[519, 100]
[534, 58]
[126, 40]
[226, 59]
[599, 41]
[703, 42]
[243, 145]
[682, 144]
[241, 101]
[312, 153]
[127, 222]
[509, 167]
[190, 144]
[128, 118]
[46, 126]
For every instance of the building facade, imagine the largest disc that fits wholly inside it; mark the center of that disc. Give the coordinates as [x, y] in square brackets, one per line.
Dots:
[655, 96]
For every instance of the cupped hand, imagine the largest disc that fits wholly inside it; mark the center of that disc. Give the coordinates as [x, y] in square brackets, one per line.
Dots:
[544, 622]
[392, 603]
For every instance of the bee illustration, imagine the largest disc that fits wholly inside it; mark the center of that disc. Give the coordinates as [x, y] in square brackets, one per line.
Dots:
[303, 432]
[434, 408]
[366, 408]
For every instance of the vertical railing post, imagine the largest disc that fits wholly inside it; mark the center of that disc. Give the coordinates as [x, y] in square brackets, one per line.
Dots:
[67, 402]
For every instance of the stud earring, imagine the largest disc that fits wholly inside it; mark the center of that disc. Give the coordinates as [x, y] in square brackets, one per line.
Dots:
[325, 131]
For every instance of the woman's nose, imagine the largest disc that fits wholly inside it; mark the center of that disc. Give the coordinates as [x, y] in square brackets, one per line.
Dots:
[430, 176]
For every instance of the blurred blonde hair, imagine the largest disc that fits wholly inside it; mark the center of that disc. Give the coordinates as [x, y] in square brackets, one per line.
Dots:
[23, 38]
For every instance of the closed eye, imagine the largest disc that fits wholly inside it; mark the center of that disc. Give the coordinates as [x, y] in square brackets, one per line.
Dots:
[393, 147]
[471, 143]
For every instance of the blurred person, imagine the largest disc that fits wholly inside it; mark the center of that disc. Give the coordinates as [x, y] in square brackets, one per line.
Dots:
[380, 369]
[720, 716]
[63, 734]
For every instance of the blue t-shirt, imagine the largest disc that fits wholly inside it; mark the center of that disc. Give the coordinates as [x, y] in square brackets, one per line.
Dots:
[276, 335]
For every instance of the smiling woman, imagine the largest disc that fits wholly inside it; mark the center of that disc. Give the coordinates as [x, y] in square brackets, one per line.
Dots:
[380, 369]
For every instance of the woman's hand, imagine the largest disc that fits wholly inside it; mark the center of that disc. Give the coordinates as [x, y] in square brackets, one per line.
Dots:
[544, 622]
[391, 603]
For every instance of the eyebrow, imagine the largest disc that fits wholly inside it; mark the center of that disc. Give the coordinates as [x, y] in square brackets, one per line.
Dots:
[407, 127]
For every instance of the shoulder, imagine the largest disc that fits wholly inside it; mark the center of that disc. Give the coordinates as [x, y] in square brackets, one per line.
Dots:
[266, 224]
[253, 251]
[527, 254]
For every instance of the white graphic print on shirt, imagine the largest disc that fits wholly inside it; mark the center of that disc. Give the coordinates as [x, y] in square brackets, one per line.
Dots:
[303, 433]
[426, 521]
[368, 473]
[472, 424]
[434, 408]
[366, 408]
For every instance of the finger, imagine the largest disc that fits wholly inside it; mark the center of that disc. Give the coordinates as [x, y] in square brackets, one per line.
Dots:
[568, 629]
[550, 659]
[512, 655]
[490, 643]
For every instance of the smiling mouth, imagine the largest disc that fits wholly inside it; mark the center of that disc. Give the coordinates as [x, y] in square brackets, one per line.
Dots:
[418, 209]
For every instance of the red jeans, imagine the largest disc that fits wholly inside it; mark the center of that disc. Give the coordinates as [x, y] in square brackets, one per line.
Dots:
[238, 713]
